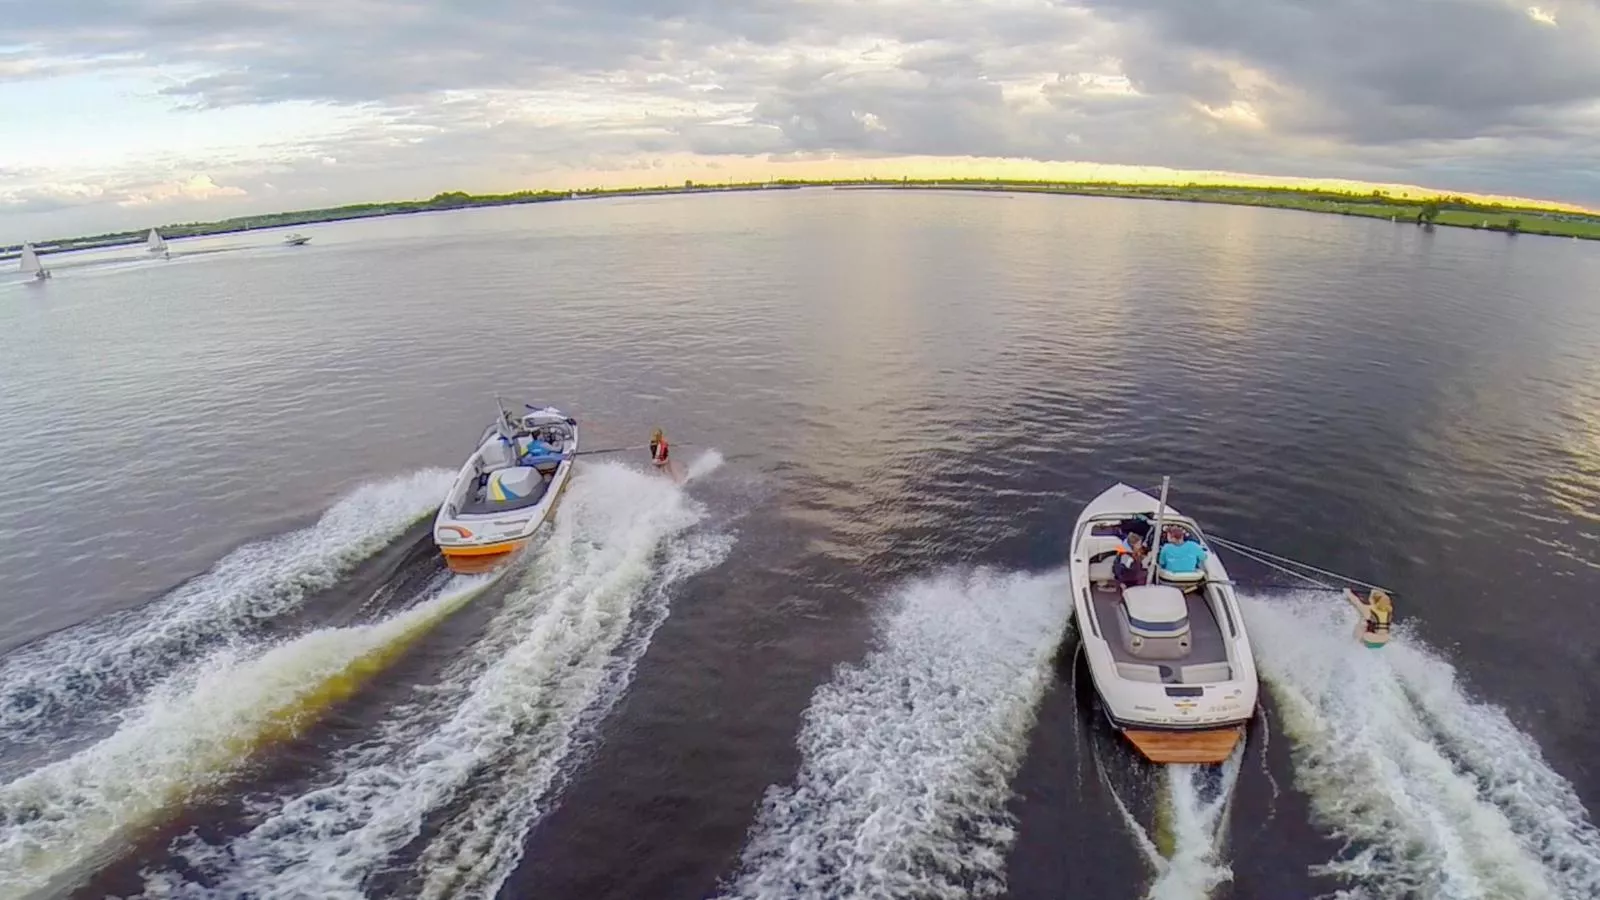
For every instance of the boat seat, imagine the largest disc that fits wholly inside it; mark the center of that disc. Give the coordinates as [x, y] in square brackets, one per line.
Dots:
[496, 454]
[510, 488]
[1095, 545]
[1205, 673]
[1188, 581]
[1139, 672]
[1155, 621]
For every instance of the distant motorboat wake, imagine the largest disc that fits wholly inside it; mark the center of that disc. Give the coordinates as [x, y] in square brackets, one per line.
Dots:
[82, 676]
[196, 728]
[496, 736]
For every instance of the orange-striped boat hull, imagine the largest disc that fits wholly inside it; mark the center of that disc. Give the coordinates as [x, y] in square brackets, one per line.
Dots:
[481, 559]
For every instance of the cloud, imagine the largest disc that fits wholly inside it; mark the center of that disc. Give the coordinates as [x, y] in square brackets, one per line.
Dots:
[1371, 72]
[49, 197]
[501, 94]
[196, 187]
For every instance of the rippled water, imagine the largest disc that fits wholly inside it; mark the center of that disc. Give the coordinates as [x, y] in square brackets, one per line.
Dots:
[836, 660]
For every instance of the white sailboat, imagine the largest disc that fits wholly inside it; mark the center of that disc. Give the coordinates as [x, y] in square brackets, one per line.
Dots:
[31, 264]
[154, 242]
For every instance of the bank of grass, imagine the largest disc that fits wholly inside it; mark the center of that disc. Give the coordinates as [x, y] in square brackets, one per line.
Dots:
[1452, 211]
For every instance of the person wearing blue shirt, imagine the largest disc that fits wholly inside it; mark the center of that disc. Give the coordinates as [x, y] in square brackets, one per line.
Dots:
[1180, 554]
[538, 450]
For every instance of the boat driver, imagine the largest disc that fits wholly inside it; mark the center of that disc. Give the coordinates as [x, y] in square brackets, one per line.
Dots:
[1181, 554]
[538, 451]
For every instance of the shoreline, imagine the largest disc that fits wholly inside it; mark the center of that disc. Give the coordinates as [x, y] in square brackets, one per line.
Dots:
[1453, 212]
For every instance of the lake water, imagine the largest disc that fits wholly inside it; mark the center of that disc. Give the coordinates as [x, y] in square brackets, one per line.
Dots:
[837, 661]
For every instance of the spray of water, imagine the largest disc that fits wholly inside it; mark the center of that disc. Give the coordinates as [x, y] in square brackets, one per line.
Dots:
[908, 756]
[191, 733]
[99, 668]
[1438, 794]
[491, 742]
[1186, 841]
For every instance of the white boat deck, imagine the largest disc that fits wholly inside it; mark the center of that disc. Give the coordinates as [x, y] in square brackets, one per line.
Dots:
[1206, 641]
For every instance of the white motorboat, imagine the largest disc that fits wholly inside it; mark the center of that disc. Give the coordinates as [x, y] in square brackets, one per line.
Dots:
[1168, 653]
[506, 489]
[31, 264]
[296, 240]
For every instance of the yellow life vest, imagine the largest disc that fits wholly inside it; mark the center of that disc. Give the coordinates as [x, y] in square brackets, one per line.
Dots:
[1377, 620]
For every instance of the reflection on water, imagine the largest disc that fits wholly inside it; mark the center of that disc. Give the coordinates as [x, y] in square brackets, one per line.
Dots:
[900, 382]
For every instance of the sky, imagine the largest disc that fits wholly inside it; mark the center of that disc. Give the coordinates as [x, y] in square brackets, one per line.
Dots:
[118, 114]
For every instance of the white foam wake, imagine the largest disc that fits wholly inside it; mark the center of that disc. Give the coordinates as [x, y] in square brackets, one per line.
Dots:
[1440, 795]
[1191, 828]
[494, 739]
[103, 665]
[189, 735]
[907, 757]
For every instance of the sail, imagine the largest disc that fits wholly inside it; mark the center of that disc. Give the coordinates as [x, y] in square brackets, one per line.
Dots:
[30, 260]
[156, 242]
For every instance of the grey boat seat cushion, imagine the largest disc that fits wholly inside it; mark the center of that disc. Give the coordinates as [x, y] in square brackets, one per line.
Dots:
[1205, 673]
[497, 455]
[1156, 611]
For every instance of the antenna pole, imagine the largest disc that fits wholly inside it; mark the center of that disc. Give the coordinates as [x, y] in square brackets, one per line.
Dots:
[502, 424]
[1161, 511]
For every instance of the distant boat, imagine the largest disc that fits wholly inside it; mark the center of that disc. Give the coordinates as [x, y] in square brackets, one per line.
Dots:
[155, 243]
[296, 240]
[31, 264]
[506, 489]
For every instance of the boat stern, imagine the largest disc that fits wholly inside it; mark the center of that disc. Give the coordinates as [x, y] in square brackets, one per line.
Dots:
[470, 559]
[1203, 746]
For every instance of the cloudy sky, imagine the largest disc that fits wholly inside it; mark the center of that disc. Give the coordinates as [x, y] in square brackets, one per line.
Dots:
[129, 113]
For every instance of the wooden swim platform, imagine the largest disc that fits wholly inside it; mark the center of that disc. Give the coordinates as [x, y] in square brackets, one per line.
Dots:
[1210, 745]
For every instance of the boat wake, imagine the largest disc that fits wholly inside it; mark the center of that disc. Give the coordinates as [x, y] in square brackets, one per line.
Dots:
[908, 756]
[460, 774]
[94, 670]
[192, 731]
[1438, 795]
[1190, 825]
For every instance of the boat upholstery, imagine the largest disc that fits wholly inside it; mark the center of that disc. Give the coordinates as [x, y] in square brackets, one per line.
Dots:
[1095, 544]
[496, 454]
[1156, 610]
[1205, 673]
[1155, 622]
[510, 488]
[1188, 581]
[1139, 672]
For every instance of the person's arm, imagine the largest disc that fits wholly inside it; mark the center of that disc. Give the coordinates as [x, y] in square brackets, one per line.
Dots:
[1357, 602]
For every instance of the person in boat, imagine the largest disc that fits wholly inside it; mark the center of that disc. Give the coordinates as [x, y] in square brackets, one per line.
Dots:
[1139, 524]
[1377, 612]
[1128, 566]
[538, 451]
[1181, 554]
[1128, 569]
